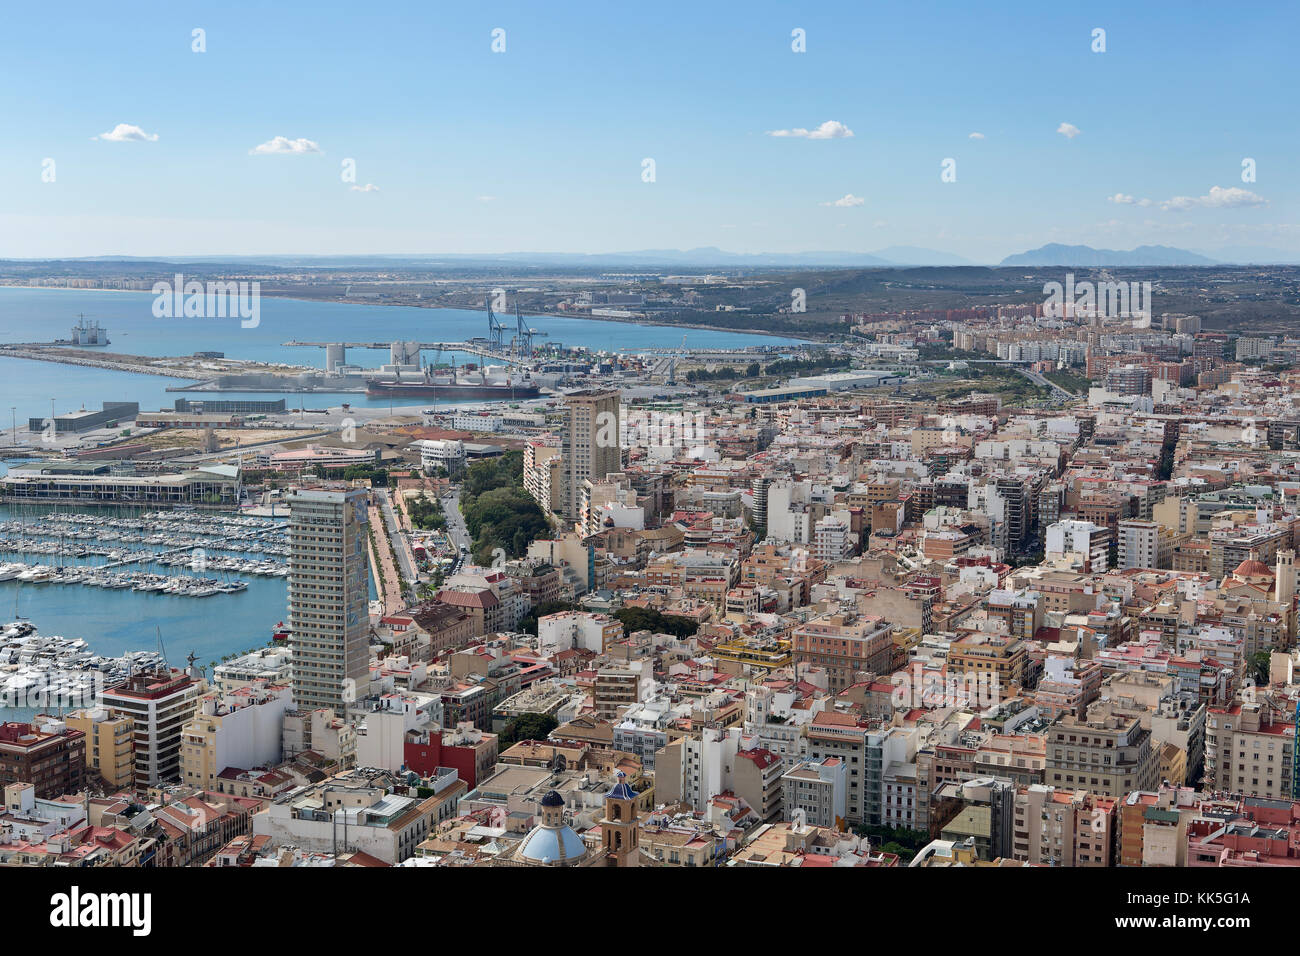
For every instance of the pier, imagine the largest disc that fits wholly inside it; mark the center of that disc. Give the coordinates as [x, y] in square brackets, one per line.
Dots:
[65, 356]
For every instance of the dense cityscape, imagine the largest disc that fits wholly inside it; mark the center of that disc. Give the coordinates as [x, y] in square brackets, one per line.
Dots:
[1030, 600]
[508, 438]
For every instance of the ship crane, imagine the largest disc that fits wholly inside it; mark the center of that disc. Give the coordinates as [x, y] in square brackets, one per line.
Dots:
[495, 328]
[523, 334]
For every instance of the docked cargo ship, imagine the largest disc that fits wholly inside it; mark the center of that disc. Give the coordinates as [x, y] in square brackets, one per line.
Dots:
[492, 382]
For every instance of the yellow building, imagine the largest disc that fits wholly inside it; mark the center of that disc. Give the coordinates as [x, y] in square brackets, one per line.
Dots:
[763, 655]
[995, 654]
[1173, 764]
[109, 747]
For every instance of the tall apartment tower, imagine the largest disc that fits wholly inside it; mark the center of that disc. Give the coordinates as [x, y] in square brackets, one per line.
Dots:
[592, 443]
[328, 597]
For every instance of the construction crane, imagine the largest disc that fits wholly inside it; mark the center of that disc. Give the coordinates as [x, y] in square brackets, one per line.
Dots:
[495, 329]
[672, 364]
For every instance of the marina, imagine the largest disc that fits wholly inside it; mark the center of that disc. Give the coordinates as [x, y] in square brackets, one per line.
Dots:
[184, 539]
[177, 540]
[57, 673]
[120, 592]
[180, 585]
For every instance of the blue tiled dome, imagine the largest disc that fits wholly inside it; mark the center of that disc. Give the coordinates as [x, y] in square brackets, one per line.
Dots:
[555, 846]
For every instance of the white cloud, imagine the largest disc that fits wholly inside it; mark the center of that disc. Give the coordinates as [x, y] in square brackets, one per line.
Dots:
[1234, 197]
[126, 133]
[1124, 199]
[880, 224]
[487, 198]
[1068, 130]
[976, 136]
[847, 200]
[367, 188]
[831, 129]
[283, 146]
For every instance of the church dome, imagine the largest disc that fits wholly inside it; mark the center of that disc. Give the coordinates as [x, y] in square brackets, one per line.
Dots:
[1252, 568]
[553, 846]
[552, 842]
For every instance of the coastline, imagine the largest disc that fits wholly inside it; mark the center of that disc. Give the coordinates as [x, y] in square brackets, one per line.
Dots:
[554, 315]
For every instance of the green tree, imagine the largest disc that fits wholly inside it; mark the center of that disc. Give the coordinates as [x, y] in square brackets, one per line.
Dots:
[499, 512]
[526, 727]
[1259, 668]
[426, 513]
[648, 619]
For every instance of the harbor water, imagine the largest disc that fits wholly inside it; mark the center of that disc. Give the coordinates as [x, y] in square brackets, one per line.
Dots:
[43, 315]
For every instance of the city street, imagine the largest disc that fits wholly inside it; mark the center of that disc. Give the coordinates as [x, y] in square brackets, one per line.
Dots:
[401, 546]
[456, 529]
[390, 590]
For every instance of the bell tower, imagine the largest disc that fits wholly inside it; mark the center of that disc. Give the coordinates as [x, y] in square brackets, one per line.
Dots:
[619, 833]
[1284, 577]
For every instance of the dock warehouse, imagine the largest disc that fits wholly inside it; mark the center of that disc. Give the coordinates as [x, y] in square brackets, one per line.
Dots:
[85, 421]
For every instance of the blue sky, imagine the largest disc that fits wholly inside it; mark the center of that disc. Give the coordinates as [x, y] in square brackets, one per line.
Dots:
[540, 148]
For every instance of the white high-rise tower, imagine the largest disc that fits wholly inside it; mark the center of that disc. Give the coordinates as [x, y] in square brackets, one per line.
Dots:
[328, 597]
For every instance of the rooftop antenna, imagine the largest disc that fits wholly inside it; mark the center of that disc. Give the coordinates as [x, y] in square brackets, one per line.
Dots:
[162, 651]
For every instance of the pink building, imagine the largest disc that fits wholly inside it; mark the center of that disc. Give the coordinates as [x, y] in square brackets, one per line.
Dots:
[1267, 833]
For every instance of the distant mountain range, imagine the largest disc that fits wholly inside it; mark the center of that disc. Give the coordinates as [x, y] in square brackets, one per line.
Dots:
[1055, 254]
